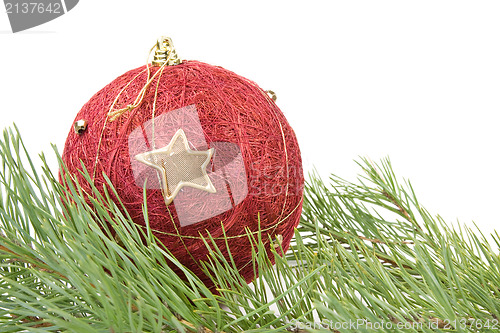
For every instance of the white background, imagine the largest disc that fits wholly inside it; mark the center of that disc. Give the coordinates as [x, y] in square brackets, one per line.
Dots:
[416, 81]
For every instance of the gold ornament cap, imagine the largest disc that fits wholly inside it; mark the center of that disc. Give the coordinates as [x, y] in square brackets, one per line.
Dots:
[165, 53]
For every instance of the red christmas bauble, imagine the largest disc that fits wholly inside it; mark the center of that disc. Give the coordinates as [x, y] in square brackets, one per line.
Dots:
[213, 150]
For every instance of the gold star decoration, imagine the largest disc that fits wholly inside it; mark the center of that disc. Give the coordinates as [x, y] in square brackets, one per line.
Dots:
[179, 166]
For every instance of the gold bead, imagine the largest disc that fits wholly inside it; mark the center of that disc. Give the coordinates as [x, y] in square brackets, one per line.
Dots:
[80, 126]
[279, 241]
[272, 94]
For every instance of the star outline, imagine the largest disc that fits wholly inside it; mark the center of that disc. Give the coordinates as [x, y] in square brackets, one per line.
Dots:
[180, 134]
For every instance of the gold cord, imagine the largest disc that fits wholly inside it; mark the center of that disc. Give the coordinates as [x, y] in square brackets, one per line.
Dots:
[112, 114]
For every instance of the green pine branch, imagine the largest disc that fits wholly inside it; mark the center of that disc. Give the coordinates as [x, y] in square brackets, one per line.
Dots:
[365, 254]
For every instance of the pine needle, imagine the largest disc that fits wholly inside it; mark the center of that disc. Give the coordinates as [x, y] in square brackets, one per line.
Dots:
[366, 256]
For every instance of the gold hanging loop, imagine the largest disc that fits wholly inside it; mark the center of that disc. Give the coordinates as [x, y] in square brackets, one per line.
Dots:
[165, 53]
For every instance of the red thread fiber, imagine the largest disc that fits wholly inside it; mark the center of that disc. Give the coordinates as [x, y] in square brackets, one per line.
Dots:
[231, 109]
